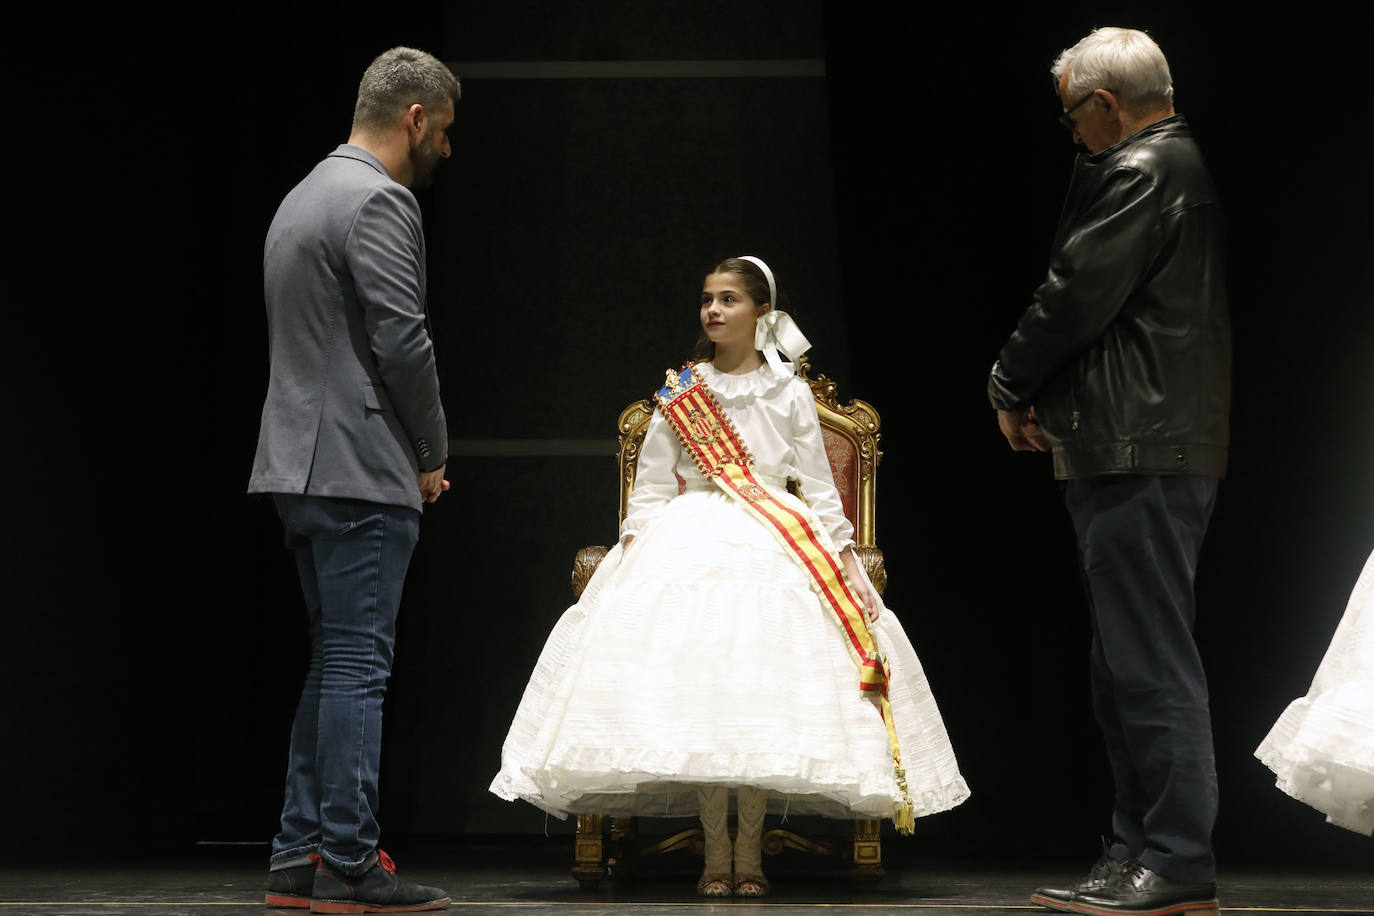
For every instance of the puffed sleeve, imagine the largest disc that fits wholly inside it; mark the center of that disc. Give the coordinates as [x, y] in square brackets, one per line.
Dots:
[813, 467]
[655, 476]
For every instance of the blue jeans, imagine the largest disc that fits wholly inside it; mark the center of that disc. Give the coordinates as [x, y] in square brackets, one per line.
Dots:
[1138, 544]
[352, 557]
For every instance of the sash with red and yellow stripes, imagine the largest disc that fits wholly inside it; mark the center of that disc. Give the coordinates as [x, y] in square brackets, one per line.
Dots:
[721, 455]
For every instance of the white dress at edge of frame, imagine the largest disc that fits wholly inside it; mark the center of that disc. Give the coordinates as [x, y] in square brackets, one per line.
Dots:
[701, 654]
[1322, 747]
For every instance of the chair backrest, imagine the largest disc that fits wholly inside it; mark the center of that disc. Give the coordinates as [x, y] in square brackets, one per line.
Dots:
[850, 431]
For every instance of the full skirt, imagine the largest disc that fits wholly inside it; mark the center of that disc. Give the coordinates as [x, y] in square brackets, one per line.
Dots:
[702, 656]
[1322, 747]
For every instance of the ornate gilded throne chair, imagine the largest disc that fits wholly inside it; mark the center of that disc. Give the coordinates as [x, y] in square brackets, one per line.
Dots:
[850, 431]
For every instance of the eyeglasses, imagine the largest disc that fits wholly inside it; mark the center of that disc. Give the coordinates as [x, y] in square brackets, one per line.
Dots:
[1066, 118]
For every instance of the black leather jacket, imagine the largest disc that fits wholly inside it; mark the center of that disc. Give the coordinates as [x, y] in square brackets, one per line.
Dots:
[1125, 351]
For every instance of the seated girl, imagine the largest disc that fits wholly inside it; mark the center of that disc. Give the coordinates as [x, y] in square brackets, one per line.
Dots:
[731, 641]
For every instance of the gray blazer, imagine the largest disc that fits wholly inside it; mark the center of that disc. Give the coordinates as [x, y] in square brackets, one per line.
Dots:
[352, 404]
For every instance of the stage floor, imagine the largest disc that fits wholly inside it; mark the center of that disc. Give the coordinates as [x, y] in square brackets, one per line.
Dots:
[492, 879]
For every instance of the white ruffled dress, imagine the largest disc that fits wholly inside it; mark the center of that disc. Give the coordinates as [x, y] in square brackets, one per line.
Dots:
[701, 655]
[1322, 747]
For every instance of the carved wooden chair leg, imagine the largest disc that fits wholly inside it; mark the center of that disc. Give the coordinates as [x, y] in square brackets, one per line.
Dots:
[622, 858]
[589, 851]
[868, 852]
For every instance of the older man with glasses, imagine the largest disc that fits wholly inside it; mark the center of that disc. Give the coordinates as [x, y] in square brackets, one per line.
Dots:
[1121, 368]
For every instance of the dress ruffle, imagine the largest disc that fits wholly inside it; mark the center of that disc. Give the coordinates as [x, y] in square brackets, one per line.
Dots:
[1322, 748]
[696, 660]
[737, 390]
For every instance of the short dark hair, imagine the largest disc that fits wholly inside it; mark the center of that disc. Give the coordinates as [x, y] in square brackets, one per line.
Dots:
[398, 79]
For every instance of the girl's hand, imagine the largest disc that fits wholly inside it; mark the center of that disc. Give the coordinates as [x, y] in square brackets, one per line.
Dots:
[872, 605]
[860, 587]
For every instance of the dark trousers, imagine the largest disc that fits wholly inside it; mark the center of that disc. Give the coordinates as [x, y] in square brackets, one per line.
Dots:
[1138, 543]
[351, 556]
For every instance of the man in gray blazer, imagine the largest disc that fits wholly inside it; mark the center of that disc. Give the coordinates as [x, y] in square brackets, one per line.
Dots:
[353, 442]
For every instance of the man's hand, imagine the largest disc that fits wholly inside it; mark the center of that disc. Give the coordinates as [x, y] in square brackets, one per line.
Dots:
[432, 483]
[1033, 433]
[1022, 430]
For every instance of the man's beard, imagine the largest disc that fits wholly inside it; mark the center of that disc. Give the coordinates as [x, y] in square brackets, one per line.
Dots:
[424, 158]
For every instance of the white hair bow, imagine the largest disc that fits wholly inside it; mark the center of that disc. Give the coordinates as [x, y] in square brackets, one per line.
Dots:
[777, 331]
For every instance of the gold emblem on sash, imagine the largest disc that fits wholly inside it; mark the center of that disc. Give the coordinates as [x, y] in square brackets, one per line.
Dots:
[753, 492]
[673, 383]
[705, 428]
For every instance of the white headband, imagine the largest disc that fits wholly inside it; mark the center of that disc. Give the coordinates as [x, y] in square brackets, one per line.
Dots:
[768, 275]
[775, 329]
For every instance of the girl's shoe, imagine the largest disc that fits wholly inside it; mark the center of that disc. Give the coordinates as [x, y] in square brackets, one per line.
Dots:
[751, 886]
[714, 886]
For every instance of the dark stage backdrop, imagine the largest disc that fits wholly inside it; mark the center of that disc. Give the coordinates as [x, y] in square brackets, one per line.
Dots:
[904, 183]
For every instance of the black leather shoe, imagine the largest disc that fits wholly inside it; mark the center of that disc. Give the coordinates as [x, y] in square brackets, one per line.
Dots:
[1058, 898]
[1137, 891]
[376, 890]
[289, 884]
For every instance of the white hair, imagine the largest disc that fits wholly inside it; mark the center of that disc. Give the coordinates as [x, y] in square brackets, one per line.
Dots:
[1125, 61]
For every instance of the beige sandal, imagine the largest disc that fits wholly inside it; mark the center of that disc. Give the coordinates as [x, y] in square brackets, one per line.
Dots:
[708, 886]
[751, 886]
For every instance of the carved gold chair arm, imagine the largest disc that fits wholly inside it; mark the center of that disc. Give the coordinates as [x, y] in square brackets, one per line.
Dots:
[872, 560]
[585, 564]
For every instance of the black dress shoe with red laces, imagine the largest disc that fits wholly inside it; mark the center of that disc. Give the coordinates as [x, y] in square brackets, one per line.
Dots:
[1137, 891]
[1104, 870]
[375, 890]
[289, 883]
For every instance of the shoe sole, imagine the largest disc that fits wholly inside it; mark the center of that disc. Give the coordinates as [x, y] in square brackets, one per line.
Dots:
[1050, 903]
[353, 906]
[288, 901]
[1191, 907]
